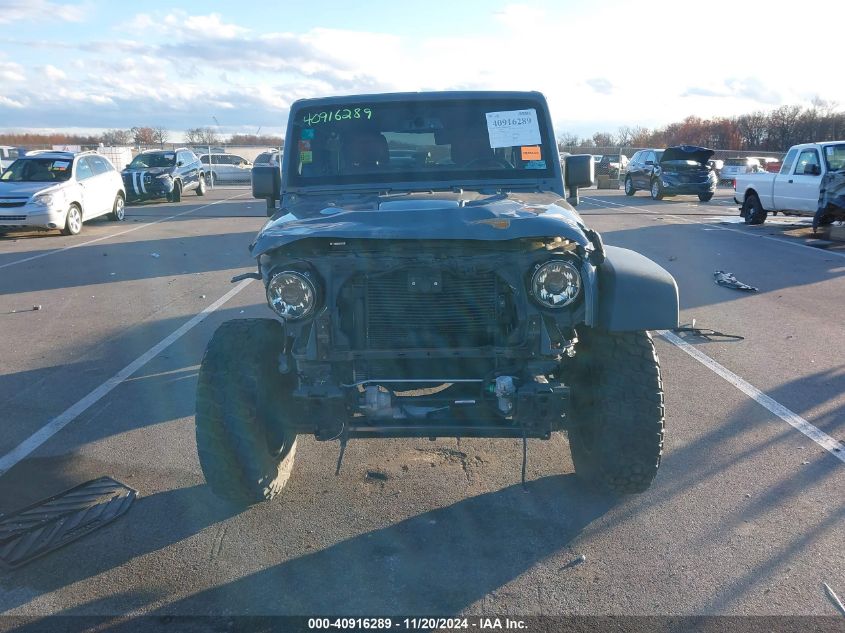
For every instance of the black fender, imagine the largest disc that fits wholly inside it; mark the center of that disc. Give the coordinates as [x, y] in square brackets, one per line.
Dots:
[634, 293]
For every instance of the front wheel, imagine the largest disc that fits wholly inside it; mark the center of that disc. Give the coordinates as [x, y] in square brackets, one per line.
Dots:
[705, 197]
[73, 222]
[617, 437]
[656, 190]
[629, 187]
[245, 449]
[201, 186]
[176, 196]
[753, 211]
[118, 212]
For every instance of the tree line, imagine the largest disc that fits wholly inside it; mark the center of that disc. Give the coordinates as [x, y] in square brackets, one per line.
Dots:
[773, 131]
[142, 136]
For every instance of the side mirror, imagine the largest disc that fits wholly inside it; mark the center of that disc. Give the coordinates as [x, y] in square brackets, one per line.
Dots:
[813, 170]
[579, 170]
[179, 163]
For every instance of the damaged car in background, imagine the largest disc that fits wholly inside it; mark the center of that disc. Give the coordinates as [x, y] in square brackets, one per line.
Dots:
[164, 174]
[458, 295]
[674, 171]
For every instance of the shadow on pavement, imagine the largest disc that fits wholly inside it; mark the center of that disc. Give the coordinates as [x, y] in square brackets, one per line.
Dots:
[438, 562]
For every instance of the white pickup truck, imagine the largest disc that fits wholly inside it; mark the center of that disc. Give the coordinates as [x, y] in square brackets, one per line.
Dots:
[798, 188]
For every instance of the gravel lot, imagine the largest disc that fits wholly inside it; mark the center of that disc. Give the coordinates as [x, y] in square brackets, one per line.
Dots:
[746, 517]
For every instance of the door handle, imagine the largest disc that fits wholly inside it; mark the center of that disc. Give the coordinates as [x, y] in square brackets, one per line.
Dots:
[790, 181]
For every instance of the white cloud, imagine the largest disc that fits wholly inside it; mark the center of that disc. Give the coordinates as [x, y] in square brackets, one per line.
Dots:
[182, 25]
[10, 103]
[22, 10]
[10, 71]
[54, 74]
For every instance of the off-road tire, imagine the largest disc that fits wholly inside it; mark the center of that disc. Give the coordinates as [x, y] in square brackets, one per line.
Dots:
[200, 190]
[118, 211]
[629, 186]
[618, 411]
[753, 211]
[705, 197]
[245, 452]
[656, 190]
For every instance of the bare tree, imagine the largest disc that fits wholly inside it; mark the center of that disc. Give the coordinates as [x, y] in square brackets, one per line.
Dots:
[783, 126]
[143, 135]
[604, 139]
[624, 136]
[752, 129]
[201, 136]
[160, 135]
[112, 138]
[566, 139]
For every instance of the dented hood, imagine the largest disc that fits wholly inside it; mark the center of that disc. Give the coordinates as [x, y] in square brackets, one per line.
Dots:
[422, 217]
[687, 152]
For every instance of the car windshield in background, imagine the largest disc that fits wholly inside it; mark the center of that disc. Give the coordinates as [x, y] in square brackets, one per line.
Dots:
[392, 142]
[38, 170]
[158, 159]
[834, 155]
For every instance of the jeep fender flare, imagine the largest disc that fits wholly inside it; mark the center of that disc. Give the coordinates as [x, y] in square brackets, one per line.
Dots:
[634, 293]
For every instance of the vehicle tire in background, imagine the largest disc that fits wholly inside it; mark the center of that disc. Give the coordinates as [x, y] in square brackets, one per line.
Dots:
[705, 197]
[210, 178]
[656, 190]
[73, 223]
[271, 206]
[118, 212]
[629, 186]
[201, 186]
[618, 411]
[176, 196]
[753, 211]
[245, 452]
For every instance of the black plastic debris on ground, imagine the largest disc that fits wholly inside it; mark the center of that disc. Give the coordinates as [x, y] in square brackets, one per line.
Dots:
[51, 523]
[729, 281]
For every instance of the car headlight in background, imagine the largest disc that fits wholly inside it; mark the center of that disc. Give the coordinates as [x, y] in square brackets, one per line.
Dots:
[46, 199]
[556, 284]
[291, 295]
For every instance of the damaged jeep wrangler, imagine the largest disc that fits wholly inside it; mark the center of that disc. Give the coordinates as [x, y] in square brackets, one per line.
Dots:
[431, 279]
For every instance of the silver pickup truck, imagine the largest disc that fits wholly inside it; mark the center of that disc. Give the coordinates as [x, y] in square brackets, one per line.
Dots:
[807, 183]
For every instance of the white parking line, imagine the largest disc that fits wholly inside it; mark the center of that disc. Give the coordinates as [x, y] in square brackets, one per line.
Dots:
[22, 450]
[599, 201]
[107, 237]
[832, 446]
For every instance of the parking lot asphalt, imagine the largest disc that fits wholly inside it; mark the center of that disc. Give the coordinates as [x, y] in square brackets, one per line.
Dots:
[746, 516]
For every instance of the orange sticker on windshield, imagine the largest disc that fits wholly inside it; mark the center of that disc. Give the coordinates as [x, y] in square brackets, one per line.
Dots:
[531, 152]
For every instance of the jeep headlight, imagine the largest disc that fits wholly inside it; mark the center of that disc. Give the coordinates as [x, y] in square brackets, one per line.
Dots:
[291, 295]
[556, 284]
[163, 176]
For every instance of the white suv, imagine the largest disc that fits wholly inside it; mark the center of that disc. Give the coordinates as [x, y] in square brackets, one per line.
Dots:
[59, 190]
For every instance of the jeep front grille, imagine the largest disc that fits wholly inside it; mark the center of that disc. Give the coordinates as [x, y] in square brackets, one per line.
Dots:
[450, 310]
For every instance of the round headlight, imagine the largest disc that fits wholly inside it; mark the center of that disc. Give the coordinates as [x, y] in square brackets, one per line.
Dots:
[291, 295]
[556, 284]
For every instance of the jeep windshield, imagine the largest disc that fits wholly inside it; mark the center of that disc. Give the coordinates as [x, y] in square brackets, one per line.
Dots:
[447, 141]
[158, 159]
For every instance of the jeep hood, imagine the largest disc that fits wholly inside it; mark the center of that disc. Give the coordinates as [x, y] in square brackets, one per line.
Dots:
[429, 218]
[687, 152]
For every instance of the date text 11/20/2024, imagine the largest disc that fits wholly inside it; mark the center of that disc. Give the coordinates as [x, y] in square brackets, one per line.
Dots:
[413, 624]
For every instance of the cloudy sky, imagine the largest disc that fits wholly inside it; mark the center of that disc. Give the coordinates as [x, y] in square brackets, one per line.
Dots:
[96, 64]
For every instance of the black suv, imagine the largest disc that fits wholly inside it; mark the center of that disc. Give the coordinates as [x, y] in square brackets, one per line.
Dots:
[457, 294]
[164, 174]
[679, 170]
